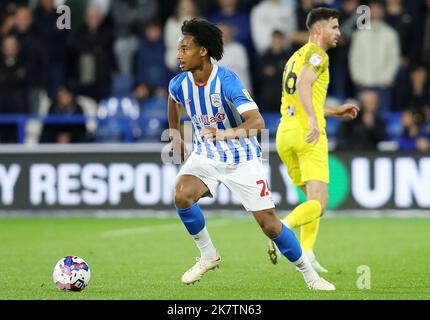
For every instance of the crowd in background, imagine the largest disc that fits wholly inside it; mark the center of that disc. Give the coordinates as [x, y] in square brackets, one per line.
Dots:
[128, 48]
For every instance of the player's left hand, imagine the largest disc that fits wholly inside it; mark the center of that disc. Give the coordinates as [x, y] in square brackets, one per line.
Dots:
[348, 111]
[210, 133]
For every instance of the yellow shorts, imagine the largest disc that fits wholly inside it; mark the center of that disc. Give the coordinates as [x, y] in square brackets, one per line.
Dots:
[304, 161]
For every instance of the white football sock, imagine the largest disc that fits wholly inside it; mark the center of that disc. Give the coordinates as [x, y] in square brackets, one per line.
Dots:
[305, 267]
[205, 245]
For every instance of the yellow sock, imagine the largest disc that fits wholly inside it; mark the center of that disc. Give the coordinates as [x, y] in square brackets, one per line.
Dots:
[303, 214]
[308, 235]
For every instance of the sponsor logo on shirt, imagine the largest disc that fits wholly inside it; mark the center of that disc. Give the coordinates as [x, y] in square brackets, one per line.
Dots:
[205, 119]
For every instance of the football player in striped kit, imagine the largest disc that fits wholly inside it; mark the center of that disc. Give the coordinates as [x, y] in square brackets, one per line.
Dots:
[225, 122]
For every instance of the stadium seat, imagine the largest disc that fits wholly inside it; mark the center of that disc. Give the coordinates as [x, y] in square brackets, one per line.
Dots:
[118, 120]
[122, 85]
[154, 107]
[152, 127]
[332, 126]
[394, 123]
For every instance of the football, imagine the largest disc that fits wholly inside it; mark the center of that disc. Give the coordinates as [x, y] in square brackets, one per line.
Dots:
[71, 273]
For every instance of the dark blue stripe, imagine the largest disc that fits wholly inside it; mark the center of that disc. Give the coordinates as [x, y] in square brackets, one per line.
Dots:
[193, 111]
[233, 124]
[234, 150]
[221, 152]
[247, 148]
[191, 97]
[229, 113]
[257, 147]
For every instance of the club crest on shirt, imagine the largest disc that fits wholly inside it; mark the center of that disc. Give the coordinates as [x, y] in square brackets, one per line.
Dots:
[315, 59]
[216, 100]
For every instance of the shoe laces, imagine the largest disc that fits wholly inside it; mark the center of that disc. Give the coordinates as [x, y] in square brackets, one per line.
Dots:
[199, 265]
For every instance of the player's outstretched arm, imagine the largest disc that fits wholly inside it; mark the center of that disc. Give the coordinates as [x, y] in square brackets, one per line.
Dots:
[305, 80]
[252, 126]
[346, 111]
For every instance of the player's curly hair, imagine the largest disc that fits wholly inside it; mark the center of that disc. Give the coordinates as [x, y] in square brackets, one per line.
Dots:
[318, 14]
[206, 35]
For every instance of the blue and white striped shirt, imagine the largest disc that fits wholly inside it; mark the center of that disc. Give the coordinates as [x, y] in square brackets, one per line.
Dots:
[218, 103]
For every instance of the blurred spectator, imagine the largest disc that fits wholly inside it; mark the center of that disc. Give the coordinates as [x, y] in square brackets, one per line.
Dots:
[185, 10]
[128, 17]
[301, 36]
[341, 85]
[413, 137]
[419, 80]
[64, 105]
[368, 129]
[103, 6]
[270, 72]
[268, 16]
[52, 42]
[91, 61]
[13, 86]
[425, 52]
[32, 54]
[374, 57]
[7, 23]
[238, 21]
[7, 4]
[78, 8]
[401, 21]
[235, 57]
[151, 71]
[13, 77]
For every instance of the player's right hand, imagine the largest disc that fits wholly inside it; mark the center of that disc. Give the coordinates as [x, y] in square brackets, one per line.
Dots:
[314, 133]
[178, 148]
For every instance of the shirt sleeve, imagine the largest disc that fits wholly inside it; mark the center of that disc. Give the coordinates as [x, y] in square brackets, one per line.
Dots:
[236, 93]
[317, 60]
[173, 91]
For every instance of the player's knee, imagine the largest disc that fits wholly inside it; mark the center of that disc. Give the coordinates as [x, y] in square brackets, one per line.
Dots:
[322, 203]
[183, 198]
[323, 207]
[270, 225]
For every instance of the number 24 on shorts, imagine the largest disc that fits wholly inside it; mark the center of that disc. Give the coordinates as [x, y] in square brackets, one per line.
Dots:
[265, 190]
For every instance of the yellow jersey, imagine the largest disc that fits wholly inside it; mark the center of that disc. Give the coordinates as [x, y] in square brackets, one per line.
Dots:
[293, 113]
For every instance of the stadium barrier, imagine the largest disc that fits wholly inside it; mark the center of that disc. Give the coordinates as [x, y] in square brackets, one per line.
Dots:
[132, 177]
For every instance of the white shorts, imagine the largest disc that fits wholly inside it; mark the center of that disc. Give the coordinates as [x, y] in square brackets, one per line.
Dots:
[246, 180]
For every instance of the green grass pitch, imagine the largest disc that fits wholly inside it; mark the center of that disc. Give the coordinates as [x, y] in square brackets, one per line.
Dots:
[144, 258]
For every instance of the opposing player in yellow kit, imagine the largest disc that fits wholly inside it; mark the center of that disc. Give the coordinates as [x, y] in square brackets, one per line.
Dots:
[301, 139]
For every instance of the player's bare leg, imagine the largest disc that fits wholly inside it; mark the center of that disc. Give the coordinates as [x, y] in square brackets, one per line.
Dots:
[188, 190]
[288, 244]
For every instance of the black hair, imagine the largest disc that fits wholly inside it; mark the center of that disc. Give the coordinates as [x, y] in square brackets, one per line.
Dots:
[320, 13]
[206, 35]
